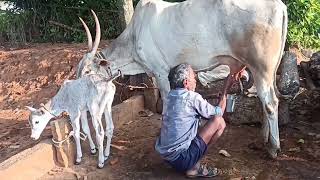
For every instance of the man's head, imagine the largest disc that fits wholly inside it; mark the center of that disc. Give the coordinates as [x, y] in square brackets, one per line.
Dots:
[182, 76]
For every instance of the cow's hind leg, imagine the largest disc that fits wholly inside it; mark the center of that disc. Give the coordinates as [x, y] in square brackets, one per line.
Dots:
[164, 86]
[269, 100]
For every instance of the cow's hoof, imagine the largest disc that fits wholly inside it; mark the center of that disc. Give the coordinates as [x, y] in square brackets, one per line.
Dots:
[93, 151]
[273, 152]
[100, 165]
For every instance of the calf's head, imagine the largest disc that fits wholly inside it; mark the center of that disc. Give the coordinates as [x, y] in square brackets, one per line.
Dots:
[38, 120]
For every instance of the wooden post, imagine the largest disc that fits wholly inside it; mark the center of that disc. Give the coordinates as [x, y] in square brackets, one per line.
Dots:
[65, 154]
[151, 96]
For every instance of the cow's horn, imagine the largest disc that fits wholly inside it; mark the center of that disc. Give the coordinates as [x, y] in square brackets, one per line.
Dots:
[88, 34]
[98, 34]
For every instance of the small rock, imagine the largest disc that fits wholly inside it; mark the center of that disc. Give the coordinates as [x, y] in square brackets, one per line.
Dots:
[307, 52]
[238, 178]
[301, 141]
[284, 156]
[145, 113]
[128, 123]
[224, 152]
[14, 146]
[318, 136]
[302, 112]
[114, 161]
[296, 149]
[312, 134]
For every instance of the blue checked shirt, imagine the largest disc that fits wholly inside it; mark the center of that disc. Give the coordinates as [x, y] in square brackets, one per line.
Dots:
[180, 121]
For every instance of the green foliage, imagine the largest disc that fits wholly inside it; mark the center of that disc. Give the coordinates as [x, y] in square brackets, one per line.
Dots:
[29, 20]
[33, 19]
[13, 26]
[304, 23]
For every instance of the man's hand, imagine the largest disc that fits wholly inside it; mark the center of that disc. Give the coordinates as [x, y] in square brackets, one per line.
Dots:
[228, 82]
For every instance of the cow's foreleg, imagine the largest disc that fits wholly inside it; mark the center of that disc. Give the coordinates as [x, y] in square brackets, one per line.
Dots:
[86, 130]
[164, 87]
[266, 93]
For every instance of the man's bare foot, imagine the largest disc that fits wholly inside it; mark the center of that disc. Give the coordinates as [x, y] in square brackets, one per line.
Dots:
[202, 171]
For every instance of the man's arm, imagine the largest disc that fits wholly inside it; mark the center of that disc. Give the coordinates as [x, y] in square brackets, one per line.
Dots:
[205, 109]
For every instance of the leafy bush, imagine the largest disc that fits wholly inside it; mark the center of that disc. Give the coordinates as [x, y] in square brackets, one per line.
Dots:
[33, 19]
[30, 20]
[304, 23]
[13, 26]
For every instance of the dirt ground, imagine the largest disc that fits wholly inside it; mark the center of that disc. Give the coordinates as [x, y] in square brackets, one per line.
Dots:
[33, 74]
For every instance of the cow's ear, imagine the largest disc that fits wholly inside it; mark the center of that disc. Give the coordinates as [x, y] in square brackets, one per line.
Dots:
[104, 63]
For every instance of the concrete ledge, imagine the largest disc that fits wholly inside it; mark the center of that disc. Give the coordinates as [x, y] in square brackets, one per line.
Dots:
[127, 110]
[31, 163]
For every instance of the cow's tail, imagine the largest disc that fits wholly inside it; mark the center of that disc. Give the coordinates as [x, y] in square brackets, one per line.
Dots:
[283, 42]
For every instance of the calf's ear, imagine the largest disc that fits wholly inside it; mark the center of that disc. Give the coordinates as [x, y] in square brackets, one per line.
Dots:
[31, 109]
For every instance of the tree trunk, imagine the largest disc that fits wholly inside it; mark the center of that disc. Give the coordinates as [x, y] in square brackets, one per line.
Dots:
[126, 12]
[151, 96]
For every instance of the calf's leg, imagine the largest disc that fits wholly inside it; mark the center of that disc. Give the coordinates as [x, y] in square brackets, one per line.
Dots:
[97, 125]
[76, 129]
[86, 130]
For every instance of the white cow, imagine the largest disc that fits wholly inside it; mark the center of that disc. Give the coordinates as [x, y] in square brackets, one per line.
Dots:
[204, 34]
[92, 93]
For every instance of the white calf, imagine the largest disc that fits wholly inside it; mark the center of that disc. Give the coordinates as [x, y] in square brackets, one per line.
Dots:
[92, 93]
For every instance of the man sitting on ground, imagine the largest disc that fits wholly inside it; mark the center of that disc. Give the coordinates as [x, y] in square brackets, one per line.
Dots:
[180, 143]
